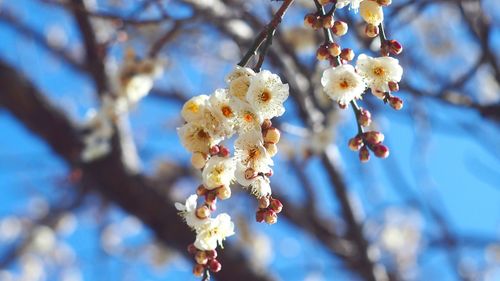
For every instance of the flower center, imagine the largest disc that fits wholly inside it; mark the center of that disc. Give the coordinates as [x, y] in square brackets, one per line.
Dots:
[248, 117]
[378, 71]
[253, 153]
[265, 96]
[226, 111]
[202, 134]
[193, 107]
[344, 84]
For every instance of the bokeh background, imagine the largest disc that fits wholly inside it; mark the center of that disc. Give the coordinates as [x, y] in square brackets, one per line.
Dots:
[431, 211]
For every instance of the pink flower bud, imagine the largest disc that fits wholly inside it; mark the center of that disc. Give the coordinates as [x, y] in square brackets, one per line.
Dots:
[214, 265]
[355, 143]
[381, 150]
[373, 137]
[201, 257]
[198, 270]
[364, 154]
[276, 205]
[270, 217]
[339, 28]
[214, 150]
[396, 103]
[259, 215]
[395, 47]
[347, 54]
[211, 254]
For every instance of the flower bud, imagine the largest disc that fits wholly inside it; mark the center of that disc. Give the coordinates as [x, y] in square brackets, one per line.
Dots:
[201, 190]
[334, 49]
[214, 150]
[272, 135]
[371, 12]
[380, 150]
[224, 151]
[250, 174]
[203, 212]
[393, 86]
[270, 217]
[396, 103]
[276, 205]
[373, 137]
[259, 215]
[198, 160]
[339, 28]
[395, 47]
[214, 265]
[371, 30]
[211, 254]
[364, 154]
[310, 20]
[271, 148]
[355, 143]
[201, 257]
[223, 192]
[322, 53]
[192, 249]
[364, 118]
[264, 202]
[347, 54]
[327, 21]
[198, 270]
[266, 124]
[210, 197]
[384, 3]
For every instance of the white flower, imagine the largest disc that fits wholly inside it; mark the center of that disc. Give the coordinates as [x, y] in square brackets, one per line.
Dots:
[247, 120]
[188, 212]
[214, 232]
[137, 87]
[371, 12]
[195, 137]
[219, 171]
[250, 151]
[266, 94]
[342, 83]
[239, 81]
[261, 187]
[194, 109]
[354, 4]
[222, 109]
[378, 72]
[137, 77]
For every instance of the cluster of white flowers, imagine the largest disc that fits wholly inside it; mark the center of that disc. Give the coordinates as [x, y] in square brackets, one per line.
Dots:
[345, 83]
[134, 81]
[244, 108]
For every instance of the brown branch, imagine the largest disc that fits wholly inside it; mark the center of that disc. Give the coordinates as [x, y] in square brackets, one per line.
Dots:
[95, 53]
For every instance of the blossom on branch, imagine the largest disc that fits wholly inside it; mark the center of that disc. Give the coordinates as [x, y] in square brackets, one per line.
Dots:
[378, 72]
[342, 84]
[212, 233]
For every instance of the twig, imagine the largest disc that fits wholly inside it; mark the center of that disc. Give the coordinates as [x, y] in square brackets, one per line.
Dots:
[266, 34]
